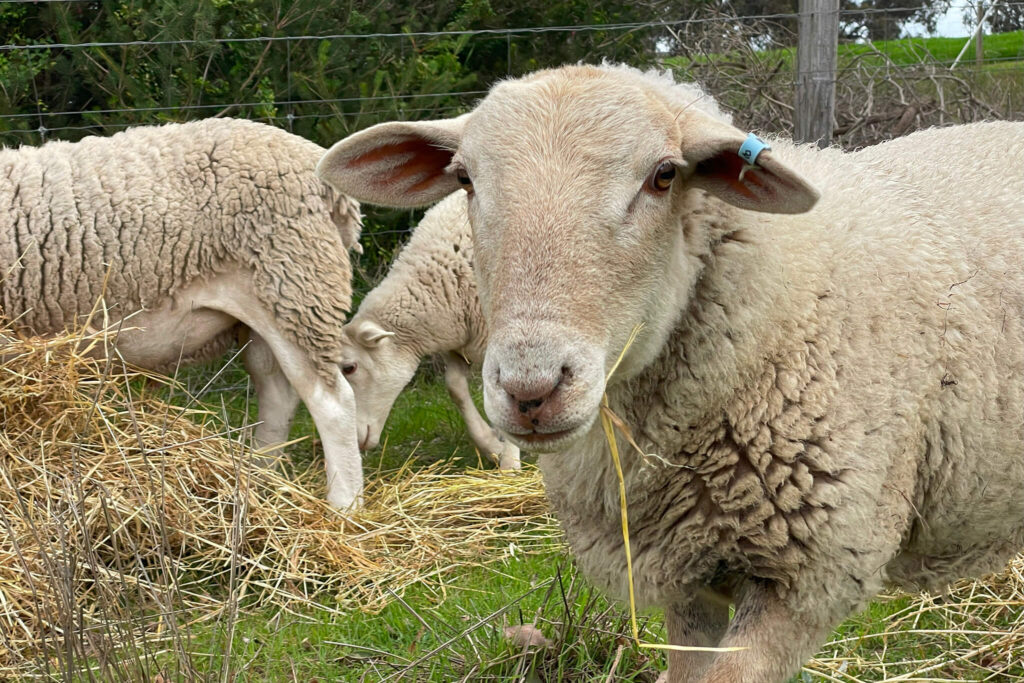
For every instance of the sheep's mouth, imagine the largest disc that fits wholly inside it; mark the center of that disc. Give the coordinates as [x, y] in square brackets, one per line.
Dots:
[538, 437]
[547, 442]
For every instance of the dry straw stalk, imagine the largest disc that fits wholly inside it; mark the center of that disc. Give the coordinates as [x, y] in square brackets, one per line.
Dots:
[124, 519]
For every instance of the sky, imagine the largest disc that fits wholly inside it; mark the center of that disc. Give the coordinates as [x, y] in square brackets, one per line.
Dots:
[950, 25]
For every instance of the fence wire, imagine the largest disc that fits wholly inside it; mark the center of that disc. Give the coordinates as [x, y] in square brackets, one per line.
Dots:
[306, 81]
[627, 26]
[22, 109]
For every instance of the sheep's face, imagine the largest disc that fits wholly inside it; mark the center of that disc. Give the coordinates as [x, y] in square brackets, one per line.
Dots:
[579, 182]
[377, 369]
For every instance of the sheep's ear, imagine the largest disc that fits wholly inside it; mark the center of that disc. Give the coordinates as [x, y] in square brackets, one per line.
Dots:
[395, 164]
[346, 215]
[371, 334]
[712, 149]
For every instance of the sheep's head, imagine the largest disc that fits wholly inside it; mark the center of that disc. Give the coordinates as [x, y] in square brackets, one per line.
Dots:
[580, 181]
[377, 368]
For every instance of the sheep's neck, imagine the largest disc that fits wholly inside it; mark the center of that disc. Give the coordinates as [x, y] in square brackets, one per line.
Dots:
[734, 411]
[432, 308]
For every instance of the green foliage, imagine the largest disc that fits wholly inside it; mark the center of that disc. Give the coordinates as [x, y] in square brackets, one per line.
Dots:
[320, 69]
[324, 69]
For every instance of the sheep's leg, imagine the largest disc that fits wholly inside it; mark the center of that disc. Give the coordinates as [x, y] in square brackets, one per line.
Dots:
[456, 378]
[276, 398]
[777, 638]
[331, 403]
[333, 408]
[700, 623]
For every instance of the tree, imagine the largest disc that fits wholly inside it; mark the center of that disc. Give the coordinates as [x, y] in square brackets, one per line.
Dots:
[886, 19]
[1003, 17]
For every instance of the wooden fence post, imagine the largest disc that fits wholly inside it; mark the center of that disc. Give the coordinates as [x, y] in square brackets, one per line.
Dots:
[816, 71]
[979, 39]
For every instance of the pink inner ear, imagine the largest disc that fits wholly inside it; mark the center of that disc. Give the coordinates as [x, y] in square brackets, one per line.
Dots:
[404, 161]
[726, 167]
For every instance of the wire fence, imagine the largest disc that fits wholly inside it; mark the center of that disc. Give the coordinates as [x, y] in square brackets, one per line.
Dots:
[321, 75]
[729, 54]
[717, 42]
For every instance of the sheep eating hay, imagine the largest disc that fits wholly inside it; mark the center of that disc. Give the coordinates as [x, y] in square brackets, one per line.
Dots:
[185, 231]
[832, 387]
[426, 304]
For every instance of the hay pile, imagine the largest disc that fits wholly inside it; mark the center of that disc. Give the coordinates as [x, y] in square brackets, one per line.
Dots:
[124, 520]
[972, 632]
[122, 516]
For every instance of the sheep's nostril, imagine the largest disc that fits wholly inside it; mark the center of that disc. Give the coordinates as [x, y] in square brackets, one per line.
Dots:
[527, 406]
[566, 372]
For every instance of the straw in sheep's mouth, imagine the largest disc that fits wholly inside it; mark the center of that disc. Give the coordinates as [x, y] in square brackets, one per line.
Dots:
[609, 423]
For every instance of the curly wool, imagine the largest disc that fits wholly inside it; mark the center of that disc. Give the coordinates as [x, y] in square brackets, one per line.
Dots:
[139, 215]
[429, 298]
[840, 406]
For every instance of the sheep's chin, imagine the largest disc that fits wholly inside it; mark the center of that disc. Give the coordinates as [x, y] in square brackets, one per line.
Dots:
[553, 442]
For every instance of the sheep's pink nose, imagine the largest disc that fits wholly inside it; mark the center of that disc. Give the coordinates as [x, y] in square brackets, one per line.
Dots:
[532, 395]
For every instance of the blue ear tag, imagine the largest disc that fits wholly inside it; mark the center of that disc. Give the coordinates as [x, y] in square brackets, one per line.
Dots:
[750, 150]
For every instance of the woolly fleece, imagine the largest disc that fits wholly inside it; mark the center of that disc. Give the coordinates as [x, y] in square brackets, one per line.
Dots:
[151, 209]
[840, 405]
[429, 298]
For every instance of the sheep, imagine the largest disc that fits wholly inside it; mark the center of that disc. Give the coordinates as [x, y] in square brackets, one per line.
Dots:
[826, 394]
[187, 231]
[427, 304]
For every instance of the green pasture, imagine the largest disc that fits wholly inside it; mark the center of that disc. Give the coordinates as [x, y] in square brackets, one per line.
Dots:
[451, 627]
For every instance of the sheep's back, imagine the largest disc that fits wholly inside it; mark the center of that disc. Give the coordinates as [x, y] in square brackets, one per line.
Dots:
[136, 216]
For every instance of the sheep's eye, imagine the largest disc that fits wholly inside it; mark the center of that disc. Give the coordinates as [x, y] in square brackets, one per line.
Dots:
[348, 368]
[661, 179]
[464, 180]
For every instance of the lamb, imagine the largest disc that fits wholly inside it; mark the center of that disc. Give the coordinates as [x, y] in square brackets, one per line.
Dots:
[187, 231]
[427, 304]
[827, 387]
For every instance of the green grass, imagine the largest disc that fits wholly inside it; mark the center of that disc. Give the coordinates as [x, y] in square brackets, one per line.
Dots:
[424, 421]
[1001, 50]
[444, 632]
[998, 47]
[450, 627]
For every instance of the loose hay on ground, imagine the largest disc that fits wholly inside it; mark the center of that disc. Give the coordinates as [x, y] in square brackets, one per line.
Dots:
[123, 519]
[122, 516]
[972, 632]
